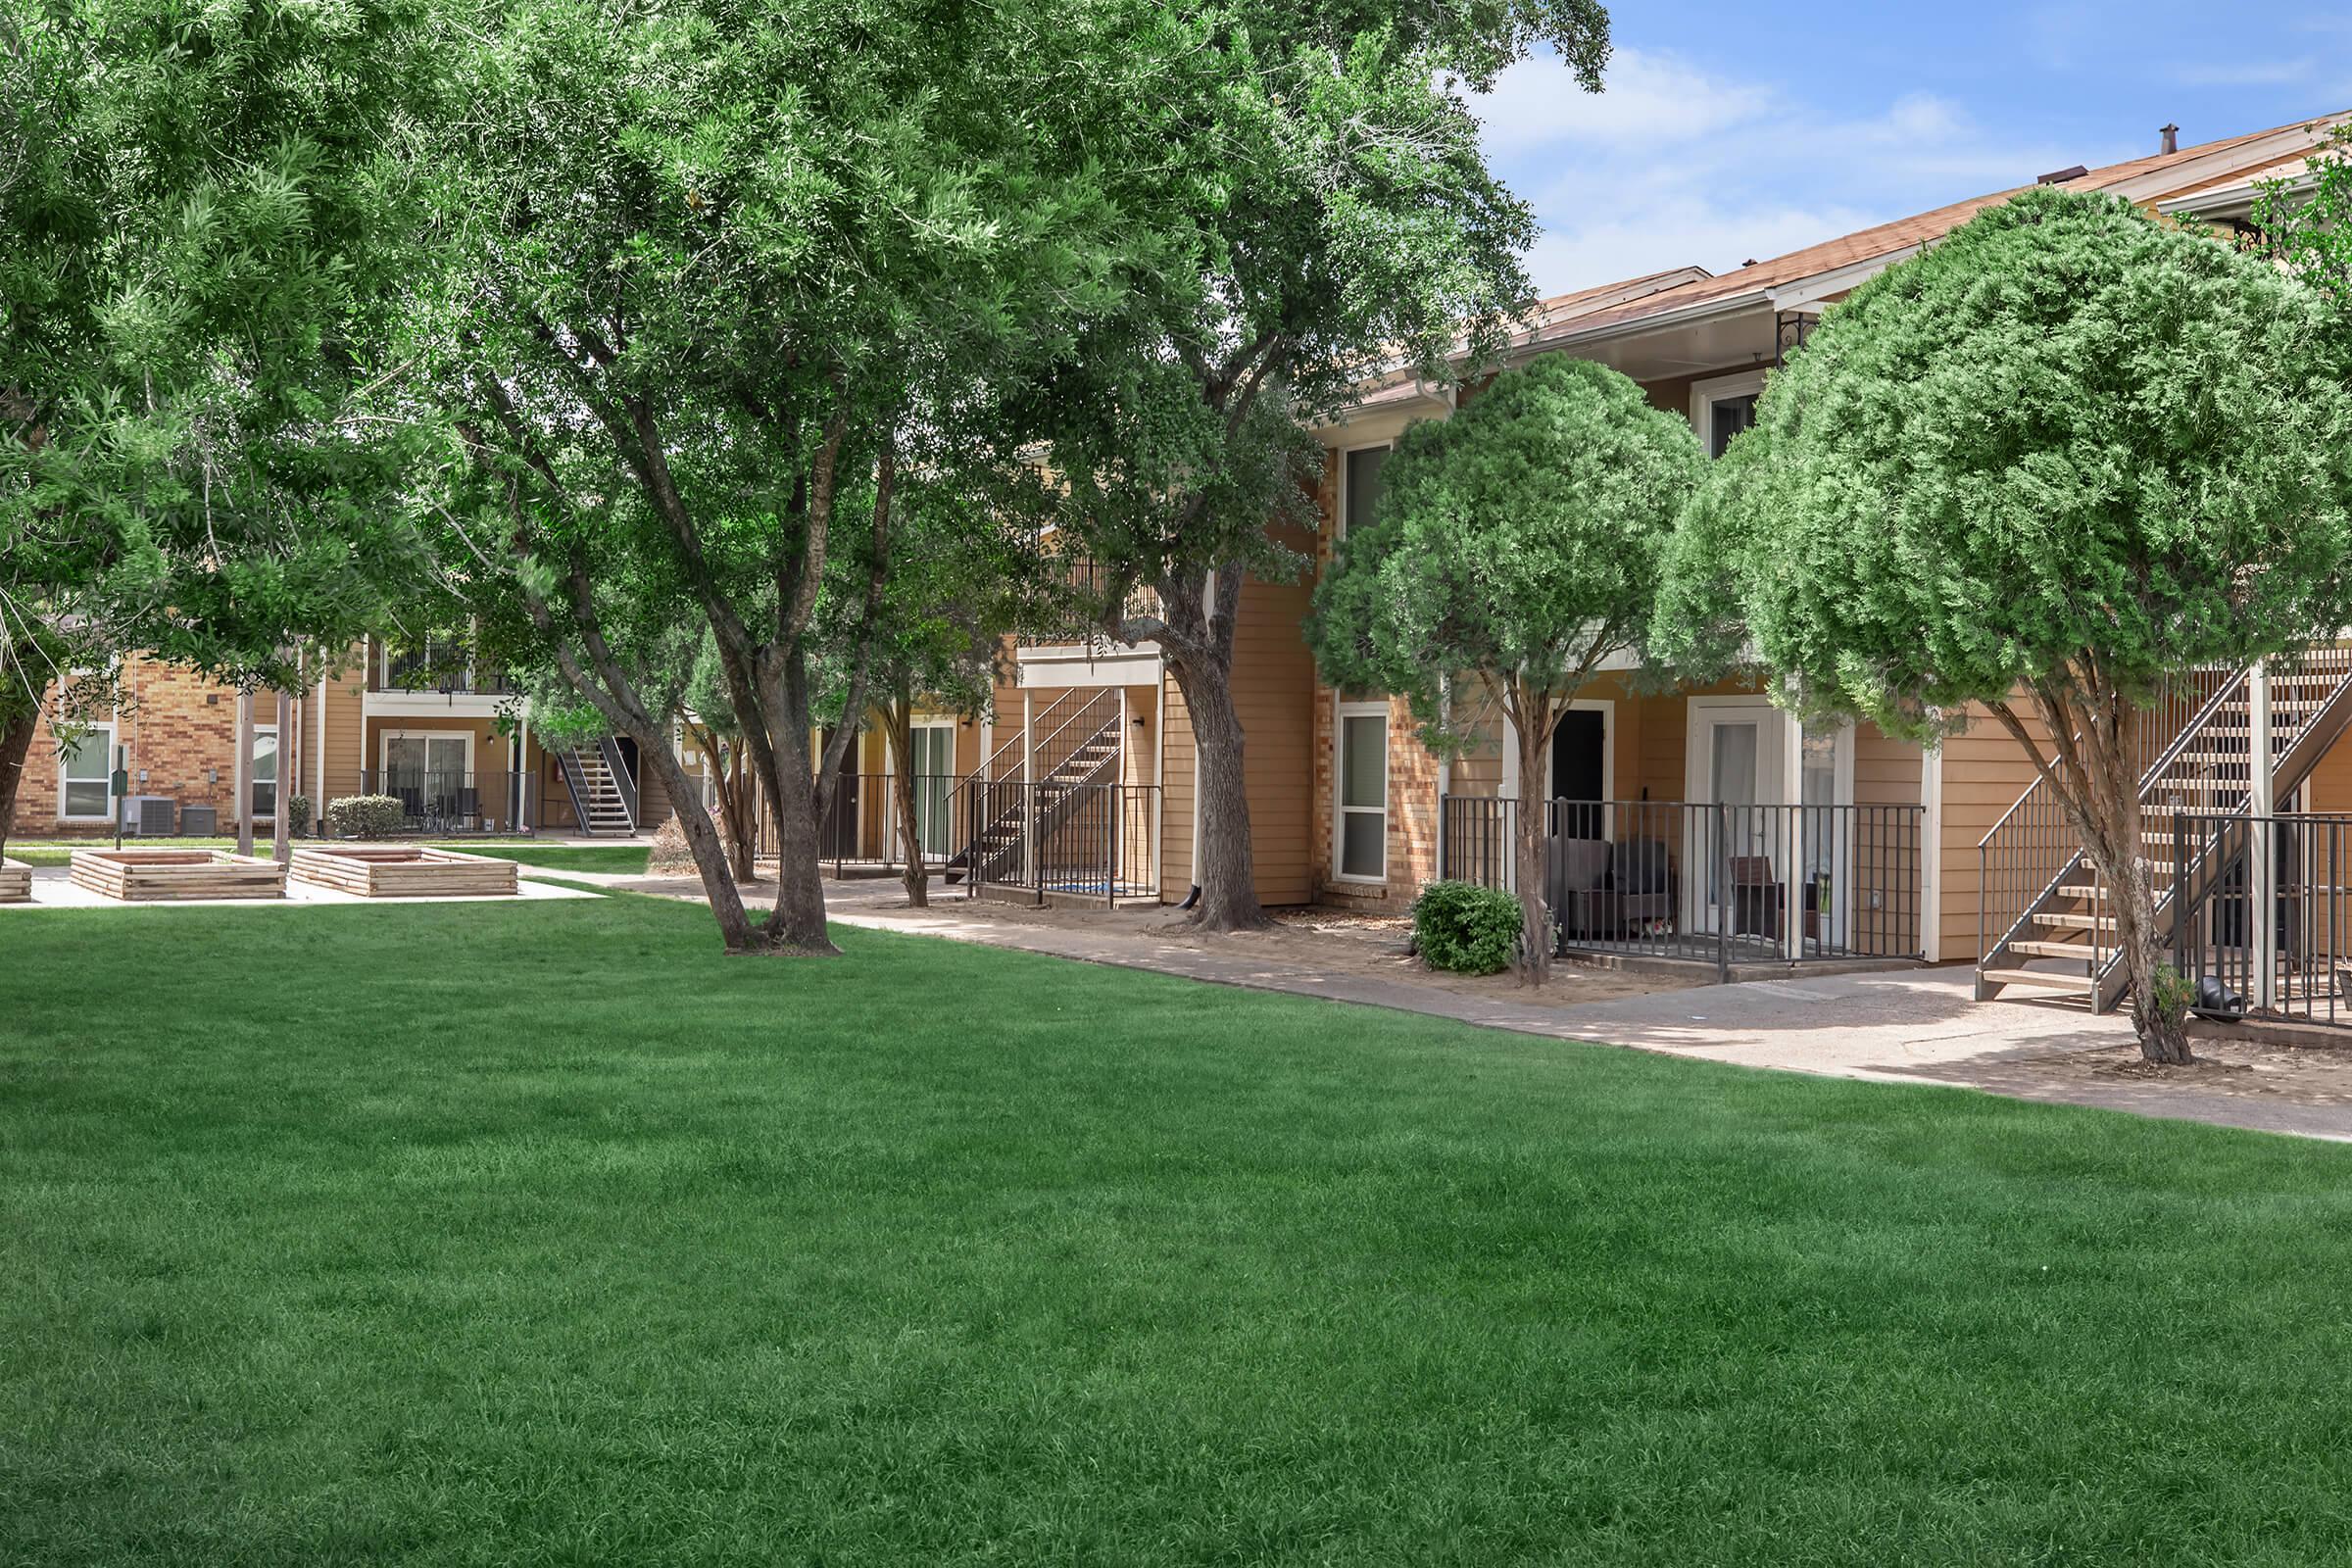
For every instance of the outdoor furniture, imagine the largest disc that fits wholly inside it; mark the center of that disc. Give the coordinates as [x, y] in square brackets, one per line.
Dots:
[1757, 897]
[1641, 884]
[1580, 890]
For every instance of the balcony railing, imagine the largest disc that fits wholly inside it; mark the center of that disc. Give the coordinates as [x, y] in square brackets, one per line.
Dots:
[1073, 617]
[1708, 882]
[446, 671]
[435, 801]
[2301, 969]
[1050, 840]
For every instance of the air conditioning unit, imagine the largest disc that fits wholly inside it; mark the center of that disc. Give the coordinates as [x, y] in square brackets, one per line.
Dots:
[150, 817]
[199, 822]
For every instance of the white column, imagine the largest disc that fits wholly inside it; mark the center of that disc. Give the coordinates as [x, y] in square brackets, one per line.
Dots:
[2261, 894]
[1160, 783]
[1028, 808]
[1931, 853]
[1510, 791]
[1793, 876]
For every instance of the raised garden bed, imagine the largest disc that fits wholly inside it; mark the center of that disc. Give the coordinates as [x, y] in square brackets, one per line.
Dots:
[162, 876]
[403, 872]
[16, 882]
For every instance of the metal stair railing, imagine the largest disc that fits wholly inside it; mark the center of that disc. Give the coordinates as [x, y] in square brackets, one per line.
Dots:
[624, 785]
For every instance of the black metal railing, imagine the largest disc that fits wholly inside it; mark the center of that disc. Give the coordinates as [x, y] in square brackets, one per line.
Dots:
[861, 831]
[1090, 841]
[447, 670]
[2300, 968]
[1709, 882]
[437, 801]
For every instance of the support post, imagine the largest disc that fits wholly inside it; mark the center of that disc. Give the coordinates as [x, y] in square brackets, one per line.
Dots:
[244, 773]
[1029, 789]
[2262, 892]
[1792, 881]
[281, 847]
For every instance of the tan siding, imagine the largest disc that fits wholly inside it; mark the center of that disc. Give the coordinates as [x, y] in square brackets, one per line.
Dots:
[1273, 685]
[1176, 829]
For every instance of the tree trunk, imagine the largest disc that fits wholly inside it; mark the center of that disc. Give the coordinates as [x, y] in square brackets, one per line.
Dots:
[740, 820]
[1221, 855]
[2108, 820]
[701, 841]
[1535, 917]
[898, 731]
[16, 744]
[796, 924]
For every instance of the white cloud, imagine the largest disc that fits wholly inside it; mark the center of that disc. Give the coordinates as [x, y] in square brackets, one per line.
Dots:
[1675, 164]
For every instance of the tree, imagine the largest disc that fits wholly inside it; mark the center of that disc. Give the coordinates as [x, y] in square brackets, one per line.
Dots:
[188, 216]
[2306, 223]
[2064, 455]
[697, 277]
[964, 569]
[1320, 206]
[1516, 548]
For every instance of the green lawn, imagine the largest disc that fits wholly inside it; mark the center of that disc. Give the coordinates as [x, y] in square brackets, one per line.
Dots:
[60, 851]
[628, 859]
[545, 1234]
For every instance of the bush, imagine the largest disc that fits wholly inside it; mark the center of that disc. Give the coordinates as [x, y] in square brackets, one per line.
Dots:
[298, 815]
[365, 817]
[1464, 929]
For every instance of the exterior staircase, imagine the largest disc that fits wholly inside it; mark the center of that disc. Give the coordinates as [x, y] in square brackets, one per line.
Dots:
[2047, 917]
[604, 798]
[1081, 751]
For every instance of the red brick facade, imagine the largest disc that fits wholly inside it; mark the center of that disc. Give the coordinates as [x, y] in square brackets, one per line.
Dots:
[179, 733]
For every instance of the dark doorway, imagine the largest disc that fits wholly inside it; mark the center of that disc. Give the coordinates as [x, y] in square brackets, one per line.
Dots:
[628, 756]
[1579, 766]
[837, 835]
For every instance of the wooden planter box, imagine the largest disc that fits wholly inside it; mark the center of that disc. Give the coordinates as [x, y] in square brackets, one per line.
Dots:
[405, 871]
[158, 876]
[16, 882]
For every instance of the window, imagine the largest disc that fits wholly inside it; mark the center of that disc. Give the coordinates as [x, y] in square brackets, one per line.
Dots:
[1731, 416]
[1359, 487]
[1362, 829]
[934, 770]
[264, 773]
[1723, 408]
[85, 777]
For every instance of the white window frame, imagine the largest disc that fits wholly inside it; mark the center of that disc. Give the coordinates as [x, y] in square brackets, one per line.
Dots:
[253, 776]
[64, 814]
[1340, 810]
[1704, 395]
[1339, 517]
[393, 732]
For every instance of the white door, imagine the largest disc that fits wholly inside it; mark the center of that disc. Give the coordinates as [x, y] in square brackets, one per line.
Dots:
[1738, 760]
[934, 758]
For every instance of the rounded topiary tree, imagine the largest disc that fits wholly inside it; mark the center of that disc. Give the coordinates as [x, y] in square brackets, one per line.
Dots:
[1516, 546]
[2067, 453]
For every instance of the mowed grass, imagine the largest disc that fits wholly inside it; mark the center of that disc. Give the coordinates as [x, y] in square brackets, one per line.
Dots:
[535, 1235]
[627, 860]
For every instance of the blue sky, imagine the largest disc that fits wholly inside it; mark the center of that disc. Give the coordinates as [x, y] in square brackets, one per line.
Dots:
[1734, 130]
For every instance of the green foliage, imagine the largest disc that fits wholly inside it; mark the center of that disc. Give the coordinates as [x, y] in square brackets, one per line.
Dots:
[298, 815]
[188, 217]
[1464, 929]
[1519, 539]
[365, 817]
[2070, 448]
[2306, 223]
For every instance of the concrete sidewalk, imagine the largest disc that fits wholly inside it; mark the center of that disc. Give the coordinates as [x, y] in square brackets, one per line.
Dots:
[1916, 1026]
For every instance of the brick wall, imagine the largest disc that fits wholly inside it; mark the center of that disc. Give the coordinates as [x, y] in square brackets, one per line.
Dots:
[179, 729]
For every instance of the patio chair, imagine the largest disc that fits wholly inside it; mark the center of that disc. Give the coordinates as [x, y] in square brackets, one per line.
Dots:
[1758, 898]
[1641, 884]
[1579, 893]
[466, 809]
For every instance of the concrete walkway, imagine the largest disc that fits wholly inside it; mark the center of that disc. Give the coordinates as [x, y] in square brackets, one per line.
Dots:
[1919, 1026]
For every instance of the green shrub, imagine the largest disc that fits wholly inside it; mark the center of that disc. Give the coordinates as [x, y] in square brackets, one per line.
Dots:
[365, 817]
[298, 815]
[1464, 929]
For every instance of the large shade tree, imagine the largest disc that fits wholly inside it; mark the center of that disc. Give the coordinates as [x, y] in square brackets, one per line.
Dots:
[1514, 551]
[1320, 208]
[2063, 456]
[699, 276]
[188, 212]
